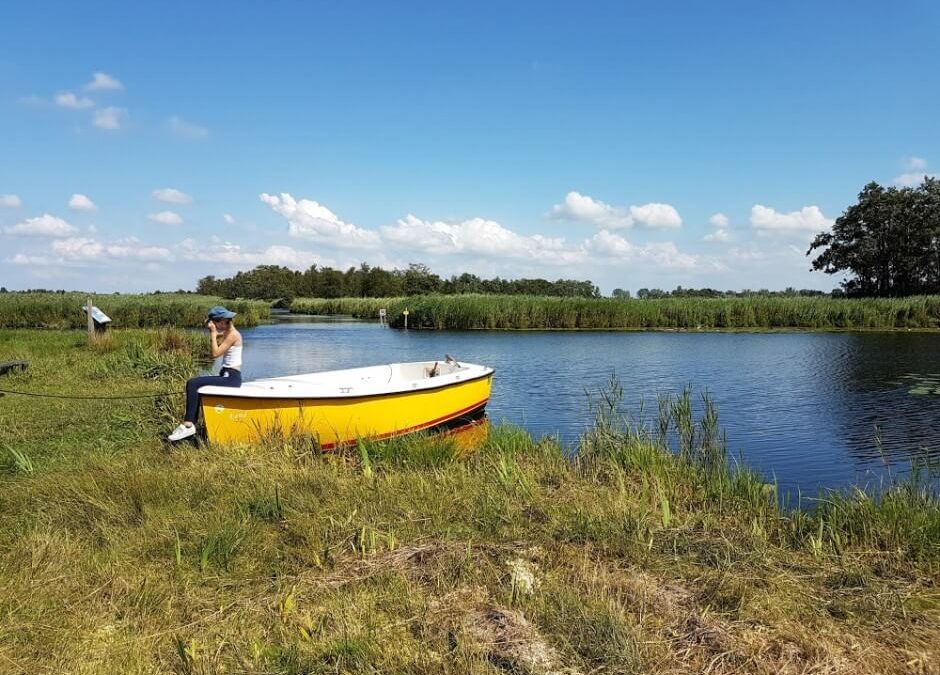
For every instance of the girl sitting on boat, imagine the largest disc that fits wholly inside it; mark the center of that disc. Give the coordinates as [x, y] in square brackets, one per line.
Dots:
[227, 343]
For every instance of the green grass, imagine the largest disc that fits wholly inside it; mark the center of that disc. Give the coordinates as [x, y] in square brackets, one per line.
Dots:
[529, 312]
[642, 553]
[66, 310]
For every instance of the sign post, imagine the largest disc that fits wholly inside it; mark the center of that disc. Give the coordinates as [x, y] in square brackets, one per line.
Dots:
[91, 321]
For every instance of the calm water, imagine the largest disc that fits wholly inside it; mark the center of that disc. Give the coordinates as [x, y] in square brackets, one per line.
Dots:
[804, 408]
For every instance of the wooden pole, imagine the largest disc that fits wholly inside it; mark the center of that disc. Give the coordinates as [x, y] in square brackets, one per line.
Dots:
[91, 322]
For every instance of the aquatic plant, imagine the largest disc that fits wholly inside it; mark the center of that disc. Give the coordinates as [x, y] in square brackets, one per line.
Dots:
[535, 312]
[66, 310]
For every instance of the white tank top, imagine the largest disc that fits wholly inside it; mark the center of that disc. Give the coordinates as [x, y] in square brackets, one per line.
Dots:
[233, 357]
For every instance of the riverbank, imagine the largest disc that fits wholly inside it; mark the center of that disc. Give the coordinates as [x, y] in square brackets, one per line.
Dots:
[66, 310]
[530, 312]
[411, 556]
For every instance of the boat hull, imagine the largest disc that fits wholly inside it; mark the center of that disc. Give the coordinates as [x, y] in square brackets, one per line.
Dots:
[338, 421]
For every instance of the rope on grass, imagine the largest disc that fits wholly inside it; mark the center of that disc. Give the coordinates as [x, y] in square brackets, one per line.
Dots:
[87, 397]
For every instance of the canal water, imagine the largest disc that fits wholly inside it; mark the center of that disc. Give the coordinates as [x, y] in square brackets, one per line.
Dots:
[809, 410]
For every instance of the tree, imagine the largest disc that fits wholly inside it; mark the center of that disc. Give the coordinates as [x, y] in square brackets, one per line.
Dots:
[620, 293]
[888, 242]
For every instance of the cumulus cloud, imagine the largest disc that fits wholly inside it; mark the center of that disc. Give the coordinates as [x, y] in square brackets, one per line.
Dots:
[110, 118]
[584, 208]
[308, 219]
[475, 235]
[166, 218]
[228, 218]
[746, 254]
[80, 202]
[230, 253]
[718, 220]
[186, 129]
[915, 170]
[655, 215]
[10, 201]
[171, 196]
[807, 219]
[23, 259]
[720, 234]
[83, 249]
[610, 247]
[103, 82]
[587, 209]
[41, 226]
[69, 100]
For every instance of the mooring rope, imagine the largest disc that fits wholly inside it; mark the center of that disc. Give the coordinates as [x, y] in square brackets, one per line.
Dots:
[89, 398]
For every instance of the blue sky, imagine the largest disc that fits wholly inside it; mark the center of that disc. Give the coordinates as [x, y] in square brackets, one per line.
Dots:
[145, 146]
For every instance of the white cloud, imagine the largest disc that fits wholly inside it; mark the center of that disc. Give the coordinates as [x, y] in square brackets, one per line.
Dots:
[718, 235]
[915, 164]
[110, 118]
[171, 196]
[186, 129]
[746, 254]
[584, 208]
[915, 170]
[82, 249]
[609, 247]
[80, 202]
[719, 220]
[587, 209]
[308, 219]
[228, 218]
[10, 201]
[655, 215]
[476, 235]
[23, 259]
[103, 82]
[807, 219]
[41, 226]
[69, 100]
[166, 218]
[230, 253]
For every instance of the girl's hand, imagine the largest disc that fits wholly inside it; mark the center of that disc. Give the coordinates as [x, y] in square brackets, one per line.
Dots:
[212, 329]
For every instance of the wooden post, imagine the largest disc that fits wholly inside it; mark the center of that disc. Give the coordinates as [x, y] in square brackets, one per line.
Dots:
[91, 321]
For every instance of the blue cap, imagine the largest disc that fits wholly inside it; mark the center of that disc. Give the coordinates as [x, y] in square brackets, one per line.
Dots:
[219, 312]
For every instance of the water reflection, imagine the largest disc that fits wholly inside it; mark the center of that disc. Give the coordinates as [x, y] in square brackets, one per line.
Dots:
[803, 409]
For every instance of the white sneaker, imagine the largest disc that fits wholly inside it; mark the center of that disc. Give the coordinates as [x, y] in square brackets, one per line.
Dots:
[181, 432]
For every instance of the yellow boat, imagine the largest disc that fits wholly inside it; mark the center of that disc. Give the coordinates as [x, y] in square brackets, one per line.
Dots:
[341, 406]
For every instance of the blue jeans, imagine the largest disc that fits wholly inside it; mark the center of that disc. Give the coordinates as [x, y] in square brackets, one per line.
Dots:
[227, 377]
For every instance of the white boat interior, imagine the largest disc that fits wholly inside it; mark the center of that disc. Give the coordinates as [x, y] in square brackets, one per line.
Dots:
[355, 382]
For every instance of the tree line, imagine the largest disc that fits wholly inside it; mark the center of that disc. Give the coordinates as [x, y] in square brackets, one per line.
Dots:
[276, 282]
[888, 242]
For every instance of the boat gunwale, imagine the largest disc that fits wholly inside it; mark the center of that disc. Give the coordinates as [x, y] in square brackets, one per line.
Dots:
[241, 393]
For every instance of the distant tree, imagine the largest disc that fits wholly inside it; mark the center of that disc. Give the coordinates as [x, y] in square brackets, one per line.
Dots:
[620, 293]
[888, 242]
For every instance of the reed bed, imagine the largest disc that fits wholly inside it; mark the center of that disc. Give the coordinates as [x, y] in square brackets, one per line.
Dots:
[361, 308]
[66, 310]
[534, 312]
[645, 551]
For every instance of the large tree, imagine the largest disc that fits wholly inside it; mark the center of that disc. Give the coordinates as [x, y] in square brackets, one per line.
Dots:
[888, 242]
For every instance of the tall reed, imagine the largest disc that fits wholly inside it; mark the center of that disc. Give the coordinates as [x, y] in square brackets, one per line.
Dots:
[537, 312]
[66, 310]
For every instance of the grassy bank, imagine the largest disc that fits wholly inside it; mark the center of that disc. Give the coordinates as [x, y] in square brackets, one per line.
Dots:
[528, 312]
[119, 555]
[65, 310]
